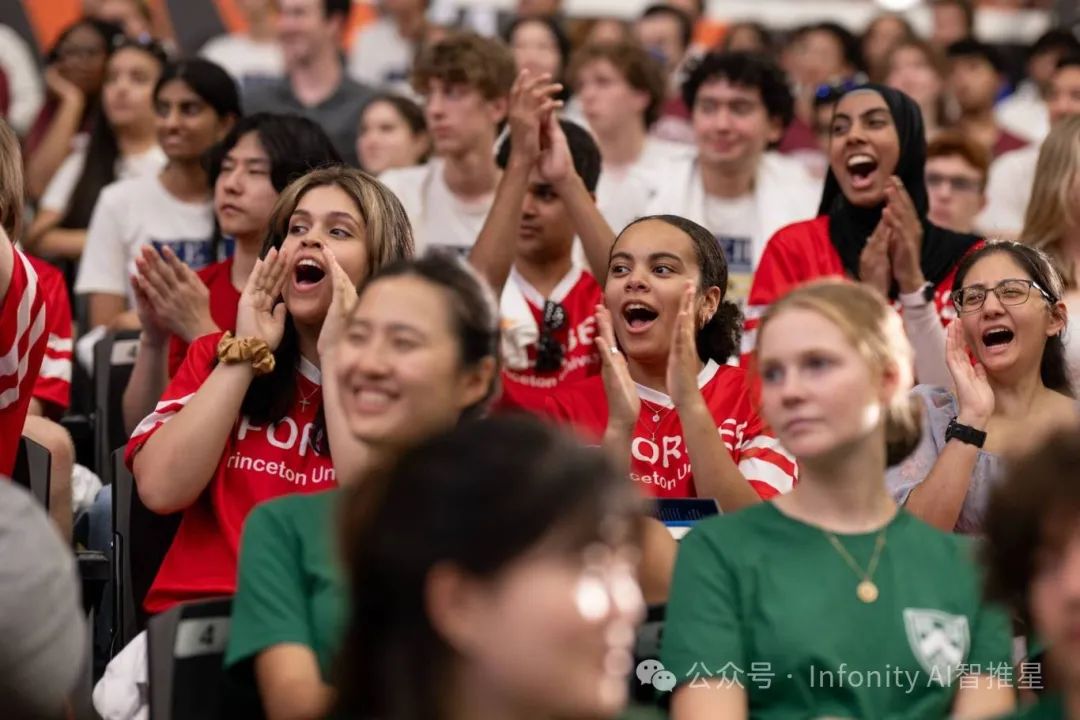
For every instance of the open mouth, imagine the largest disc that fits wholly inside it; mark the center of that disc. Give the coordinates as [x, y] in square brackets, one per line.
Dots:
[639, 316]
[308, 274]
[861, 168]
[997, 337]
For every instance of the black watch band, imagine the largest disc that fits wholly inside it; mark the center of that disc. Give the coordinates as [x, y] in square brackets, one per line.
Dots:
[965, 434]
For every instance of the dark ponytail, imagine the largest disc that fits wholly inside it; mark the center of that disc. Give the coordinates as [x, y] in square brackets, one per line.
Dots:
[718, 339]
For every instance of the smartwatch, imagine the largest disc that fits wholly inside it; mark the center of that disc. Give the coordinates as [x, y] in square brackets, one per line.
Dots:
[965, 434]
[918, 298]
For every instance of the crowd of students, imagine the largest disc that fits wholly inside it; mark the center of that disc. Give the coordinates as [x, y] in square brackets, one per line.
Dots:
[426, 328]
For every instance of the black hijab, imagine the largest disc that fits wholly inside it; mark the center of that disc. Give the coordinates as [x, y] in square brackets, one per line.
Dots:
[850, 226]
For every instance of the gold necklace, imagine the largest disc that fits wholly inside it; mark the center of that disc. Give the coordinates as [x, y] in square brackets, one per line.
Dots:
[866, 590]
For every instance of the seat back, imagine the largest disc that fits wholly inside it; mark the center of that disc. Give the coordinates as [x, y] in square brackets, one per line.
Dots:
[114, 359]
[186, 648]
[140, 540]
[33, 469]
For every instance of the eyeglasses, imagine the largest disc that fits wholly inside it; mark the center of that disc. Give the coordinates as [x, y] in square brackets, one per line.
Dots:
[1009, 292]
[549, 351]
[958, 183]
[79, 52]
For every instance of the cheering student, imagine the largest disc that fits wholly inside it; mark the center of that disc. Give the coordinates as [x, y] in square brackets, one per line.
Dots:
[1033, 557]
[464, 80]
[516, 600]
[22, 307]
[1017, 391]
[684, 418]
[249, 170]
[197, 104]
[785, 609]
[872, 226]
[123, 143]
[418, 355]
[251, 402]
[525, 249]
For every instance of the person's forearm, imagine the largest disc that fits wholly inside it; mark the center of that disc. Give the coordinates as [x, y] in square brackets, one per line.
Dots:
[939, 498]
[493, 253]
[61, 243]
[178, 461]
[350, 456]
[927, 336]
[293, 701]
[148, 380]
[54, 147]
[715, 474]
[617, 444]
[596, 235]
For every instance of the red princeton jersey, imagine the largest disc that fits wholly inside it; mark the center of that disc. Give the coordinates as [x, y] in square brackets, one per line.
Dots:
[659, 460]
[802, 252]
[53, 386]
[579, 294]
[22, 346]
[223, 301]
[259, 463]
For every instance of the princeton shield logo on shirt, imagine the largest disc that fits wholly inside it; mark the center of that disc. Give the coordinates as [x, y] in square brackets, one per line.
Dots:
[938, 640]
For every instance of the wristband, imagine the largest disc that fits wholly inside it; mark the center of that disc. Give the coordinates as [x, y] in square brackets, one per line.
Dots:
[965, 434]
[918, 298]
[232, 350]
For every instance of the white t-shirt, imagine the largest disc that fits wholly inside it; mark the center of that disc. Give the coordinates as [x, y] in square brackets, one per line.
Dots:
[1024, 113]
[244, 58]
[440, 219]
[130, 214]
[623, 193]
[1008, 191]
[381, 57]
[734, 222]
[58, 192]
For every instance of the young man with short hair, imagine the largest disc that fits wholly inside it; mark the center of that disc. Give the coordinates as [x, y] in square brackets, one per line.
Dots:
[956, 170]
[525, 250]
[976, 77]
[666, 32]
[621, 88]
[465, 80]
[1024, 112]
[315, 84]
[1012, 175]
[952, 21]
[740, 105]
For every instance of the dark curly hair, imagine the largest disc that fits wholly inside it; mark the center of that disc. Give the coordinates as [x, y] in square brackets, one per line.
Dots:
[719, 338]
[748, 70]
[1034, 509]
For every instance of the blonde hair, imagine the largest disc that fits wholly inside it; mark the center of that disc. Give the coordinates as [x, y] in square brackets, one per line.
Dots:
[877, 334]
[1052, 208]
[388, 233]
[11, 183]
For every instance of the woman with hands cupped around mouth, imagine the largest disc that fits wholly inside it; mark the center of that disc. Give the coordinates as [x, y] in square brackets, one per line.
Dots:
[872, 226]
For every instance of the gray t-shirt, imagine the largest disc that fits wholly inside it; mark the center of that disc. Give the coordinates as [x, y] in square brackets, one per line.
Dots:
[42, 630]
[339, 114]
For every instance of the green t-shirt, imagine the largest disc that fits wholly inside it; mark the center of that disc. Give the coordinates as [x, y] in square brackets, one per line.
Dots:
[765, 600]
[289, 588]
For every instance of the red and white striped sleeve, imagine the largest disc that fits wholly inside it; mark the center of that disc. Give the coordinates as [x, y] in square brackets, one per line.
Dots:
[768, 467]
[198, 364]
[53, 385]
[22, 344]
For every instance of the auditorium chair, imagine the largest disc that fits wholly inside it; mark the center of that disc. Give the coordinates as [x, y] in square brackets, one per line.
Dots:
[114, 359]
[140, 540]
[32, 469]
[186, 648]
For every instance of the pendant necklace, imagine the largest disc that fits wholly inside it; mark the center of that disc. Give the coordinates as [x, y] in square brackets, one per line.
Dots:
[866, 590]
